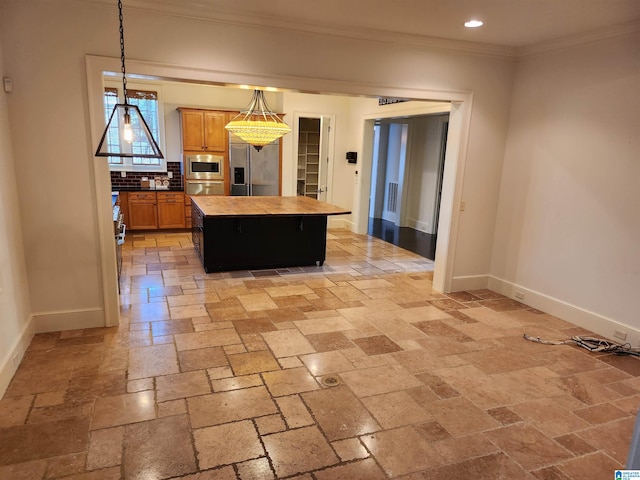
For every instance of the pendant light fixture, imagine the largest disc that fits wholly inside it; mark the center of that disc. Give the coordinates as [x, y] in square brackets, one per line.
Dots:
[258, 125]
[134, 139]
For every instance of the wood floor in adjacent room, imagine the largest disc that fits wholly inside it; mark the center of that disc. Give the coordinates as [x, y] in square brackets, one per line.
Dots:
[225, 376]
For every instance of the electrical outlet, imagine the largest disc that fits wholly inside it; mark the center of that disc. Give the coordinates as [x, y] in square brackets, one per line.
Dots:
[123, 174]
[463, 205]
[620, 335]
[170, 174]
[519, 295]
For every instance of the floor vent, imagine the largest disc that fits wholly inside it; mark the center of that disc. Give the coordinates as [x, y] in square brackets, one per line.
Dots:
[392, 197]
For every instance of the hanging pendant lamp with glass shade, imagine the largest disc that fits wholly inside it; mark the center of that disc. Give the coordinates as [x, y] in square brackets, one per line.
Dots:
[127, 133]
[258, 125]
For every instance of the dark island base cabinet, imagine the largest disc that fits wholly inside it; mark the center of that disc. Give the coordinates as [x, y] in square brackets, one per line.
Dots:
[258, 242]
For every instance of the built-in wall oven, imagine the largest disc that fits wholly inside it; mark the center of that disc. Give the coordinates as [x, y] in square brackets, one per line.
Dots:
[204, 174]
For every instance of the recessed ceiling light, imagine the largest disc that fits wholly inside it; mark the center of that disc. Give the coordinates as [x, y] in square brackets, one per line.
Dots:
[473, 23]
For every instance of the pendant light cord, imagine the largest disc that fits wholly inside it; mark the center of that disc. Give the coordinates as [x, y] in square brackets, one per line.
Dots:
[127, 120]
[124, 71]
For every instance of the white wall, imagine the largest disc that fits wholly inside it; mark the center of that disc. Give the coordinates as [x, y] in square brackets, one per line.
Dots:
[15, 318]
[306, 104]
[49, 114]
[378, 160]
[424, 166]
[568, 229]
[482, 152]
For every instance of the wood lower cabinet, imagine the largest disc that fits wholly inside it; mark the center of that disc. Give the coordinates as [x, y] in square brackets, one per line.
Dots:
[170, 209]
[156, 210]
[143, 211]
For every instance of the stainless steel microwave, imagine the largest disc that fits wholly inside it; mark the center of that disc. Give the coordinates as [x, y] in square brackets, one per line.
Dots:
[204, 166]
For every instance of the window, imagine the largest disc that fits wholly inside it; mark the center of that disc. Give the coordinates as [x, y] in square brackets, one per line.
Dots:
[147, 99]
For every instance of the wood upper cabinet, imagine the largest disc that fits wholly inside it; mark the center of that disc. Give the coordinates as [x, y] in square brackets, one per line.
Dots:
[142, 211]
[215, 134]
[203, 130]
[171, 210]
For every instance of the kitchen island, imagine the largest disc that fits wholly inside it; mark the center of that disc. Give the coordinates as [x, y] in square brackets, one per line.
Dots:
[245, 233]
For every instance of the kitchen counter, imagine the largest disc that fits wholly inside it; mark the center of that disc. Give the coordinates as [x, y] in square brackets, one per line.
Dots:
[247, 233]
[221, 206]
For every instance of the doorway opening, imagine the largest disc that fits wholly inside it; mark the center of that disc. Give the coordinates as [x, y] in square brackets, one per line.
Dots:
[406, 181]
[458, 103]
[314, 159]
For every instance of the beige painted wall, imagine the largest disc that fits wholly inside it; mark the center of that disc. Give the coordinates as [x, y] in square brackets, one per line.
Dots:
[51, 134]
[15, 311]
[568, 230]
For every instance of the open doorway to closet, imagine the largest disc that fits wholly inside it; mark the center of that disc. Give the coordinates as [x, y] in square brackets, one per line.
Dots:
[314, 160]
[406, 181]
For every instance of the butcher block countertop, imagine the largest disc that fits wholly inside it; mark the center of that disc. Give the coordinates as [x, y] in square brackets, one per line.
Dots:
[223, 206]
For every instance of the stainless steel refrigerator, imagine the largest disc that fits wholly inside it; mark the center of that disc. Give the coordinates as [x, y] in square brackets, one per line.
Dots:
[254, 172]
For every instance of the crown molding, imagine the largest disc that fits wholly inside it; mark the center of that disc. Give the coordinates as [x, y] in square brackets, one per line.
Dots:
[199, 11]
[581, 39]
[202, 11]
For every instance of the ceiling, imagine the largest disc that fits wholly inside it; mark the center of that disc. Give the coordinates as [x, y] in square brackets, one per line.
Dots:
[513, 24]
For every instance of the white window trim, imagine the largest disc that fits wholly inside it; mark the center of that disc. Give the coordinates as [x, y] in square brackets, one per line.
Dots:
[127, 165]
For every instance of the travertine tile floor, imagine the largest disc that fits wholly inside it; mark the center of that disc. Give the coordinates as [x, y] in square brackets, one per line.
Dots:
[220, 376]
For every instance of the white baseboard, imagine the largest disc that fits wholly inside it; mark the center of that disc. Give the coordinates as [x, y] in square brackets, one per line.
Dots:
[597, 323]
[418, 225]
[41, 323]
[335, 222]
[11, 360]
[470, 282]
[68, 320]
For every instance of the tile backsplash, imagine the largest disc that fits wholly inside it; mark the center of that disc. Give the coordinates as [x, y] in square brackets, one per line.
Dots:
[133, 178]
